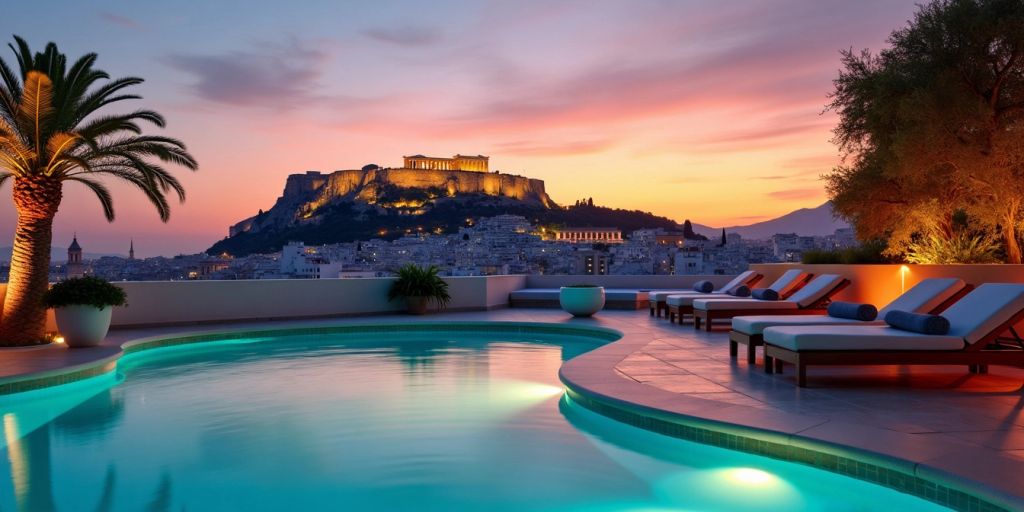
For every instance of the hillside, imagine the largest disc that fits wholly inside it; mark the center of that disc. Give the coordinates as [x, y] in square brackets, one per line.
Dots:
[347, 206]
[817, 221]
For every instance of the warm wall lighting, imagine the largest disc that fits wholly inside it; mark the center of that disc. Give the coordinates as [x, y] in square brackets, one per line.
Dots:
[904, 270]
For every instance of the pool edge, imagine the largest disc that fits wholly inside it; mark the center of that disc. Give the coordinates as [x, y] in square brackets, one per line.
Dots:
[941, 487]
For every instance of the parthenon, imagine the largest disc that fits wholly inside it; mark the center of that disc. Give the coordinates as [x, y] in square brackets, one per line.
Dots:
[478, 163]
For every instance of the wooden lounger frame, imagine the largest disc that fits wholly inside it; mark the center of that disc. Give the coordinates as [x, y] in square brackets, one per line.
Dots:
[752, 341]
[977, 356]
[707, 317]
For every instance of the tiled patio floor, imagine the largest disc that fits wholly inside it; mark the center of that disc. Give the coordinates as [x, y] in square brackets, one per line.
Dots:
[917, 414]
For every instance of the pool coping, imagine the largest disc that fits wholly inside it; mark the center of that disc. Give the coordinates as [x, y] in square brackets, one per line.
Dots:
[884, 457]
[592, 381]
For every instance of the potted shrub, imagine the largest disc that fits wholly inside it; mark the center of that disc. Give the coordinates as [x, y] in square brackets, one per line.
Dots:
[82, 306]
[581, 299]
[419, 286]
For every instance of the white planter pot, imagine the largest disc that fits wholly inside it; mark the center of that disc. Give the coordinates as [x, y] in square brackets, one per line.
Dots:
[581, 301]
[83, 326]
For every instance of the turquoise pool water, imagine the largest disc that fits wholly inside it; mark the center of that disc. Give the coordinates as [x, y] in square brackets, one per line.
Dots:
[382, 422]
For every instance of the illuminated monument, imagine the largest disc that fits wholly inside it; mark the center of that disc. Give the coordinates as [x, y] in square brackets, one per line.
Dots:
[306, 194]
[476, 163]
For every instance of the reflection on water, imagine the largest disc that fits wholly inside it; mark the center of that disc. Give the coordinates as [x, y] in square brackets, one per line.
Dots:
[384, 424]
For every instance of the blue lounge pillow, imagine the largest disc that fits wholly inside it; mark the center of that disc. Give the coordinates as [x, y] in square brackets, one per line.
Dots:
[853, 311]
[703, 287]
[915, 322]
[764, 294]
[740, 291]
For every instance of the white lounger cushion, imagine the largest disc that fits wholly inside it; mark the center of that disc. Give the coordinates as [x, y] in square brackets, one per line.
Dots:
[922, 298]
[984, 309]
[782, 285]
[857, 337]
[972, 318]
[743, 278]
[660, 296]
[756, 324]
[752, 304]
[817, 289]
[688, 300]
[925, 296]
[787, 281]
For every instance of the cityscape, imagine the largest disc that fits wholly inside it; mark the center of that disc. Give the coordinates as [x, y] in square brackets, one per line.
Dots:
[499, 245]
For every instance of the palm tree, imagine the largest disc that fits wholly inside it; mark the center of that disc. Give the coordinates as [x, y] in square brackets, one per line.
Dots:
[50, 133]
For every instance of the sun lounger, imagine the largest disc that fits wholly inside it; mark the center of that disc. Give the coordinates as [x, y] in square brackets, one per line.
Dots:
[809, 300]
[929, 296]
[681, 305]
[658, 305]
[976, 323]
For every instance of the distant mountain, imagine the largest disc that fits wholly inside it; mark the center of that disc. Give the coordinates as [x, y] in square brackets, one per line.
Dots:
[58, 254]
[805, 221]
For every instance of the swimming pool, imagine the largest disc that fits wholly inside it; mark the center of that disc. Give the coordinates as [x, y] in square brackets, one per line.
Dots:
[374, 421]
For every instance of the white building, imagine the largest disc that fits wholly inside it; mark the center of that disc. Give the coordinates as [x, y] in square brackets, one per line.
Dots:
[589, 235]
[689, 261]
[301, 262]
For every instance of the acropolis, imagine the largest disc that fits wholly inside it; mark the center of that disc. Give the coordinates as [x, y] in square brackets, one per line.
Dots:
[476, 163]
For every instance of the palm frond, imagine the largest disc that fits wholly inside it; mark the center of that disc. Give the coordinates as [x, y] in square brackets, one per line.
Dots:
[50, 122]
[130, 173]
[102, 193]
[59, 144]
[11, 89]
[23, 53]
[81, 75]
[101, 96]
[36, 105]
[107, 126]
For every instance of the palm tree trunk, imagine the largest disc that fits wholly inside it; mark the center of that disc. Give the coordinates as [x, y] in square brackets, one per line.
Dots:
[23, 322]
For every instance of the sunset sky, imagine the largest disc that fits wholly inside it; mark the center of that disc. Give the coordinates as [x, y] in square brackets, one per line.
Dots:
[703, 109]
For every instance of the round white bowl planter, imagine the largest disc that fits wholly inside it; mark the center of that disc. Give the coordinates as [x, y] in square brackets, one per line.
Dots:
[581, 300]
[83, 326]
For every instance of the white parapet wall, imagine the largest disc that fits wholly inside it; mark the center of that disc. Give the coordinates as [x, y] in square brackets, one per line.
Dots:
[190, 302]
[152, 303]
[649, 282]
[880, 284]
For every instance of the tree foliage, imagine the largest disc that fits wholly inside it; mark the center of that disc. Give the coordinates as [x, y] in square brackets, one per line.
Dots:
[51, 127]
[930, 128]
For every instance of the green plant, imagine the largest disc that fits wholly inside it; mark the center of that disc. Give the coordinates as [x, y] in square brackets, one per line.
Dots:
[820, 257]
[868, 253]
[959, 248]
[84, 291]
[416, 281]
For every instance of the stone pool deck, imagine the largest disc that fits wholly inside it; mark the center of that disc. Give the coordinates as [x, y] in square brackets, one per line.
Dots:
[941, 424]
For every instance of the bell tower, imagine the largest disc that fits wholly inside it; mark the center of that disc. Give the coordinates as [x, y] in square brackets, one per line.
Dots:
[74, 265]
